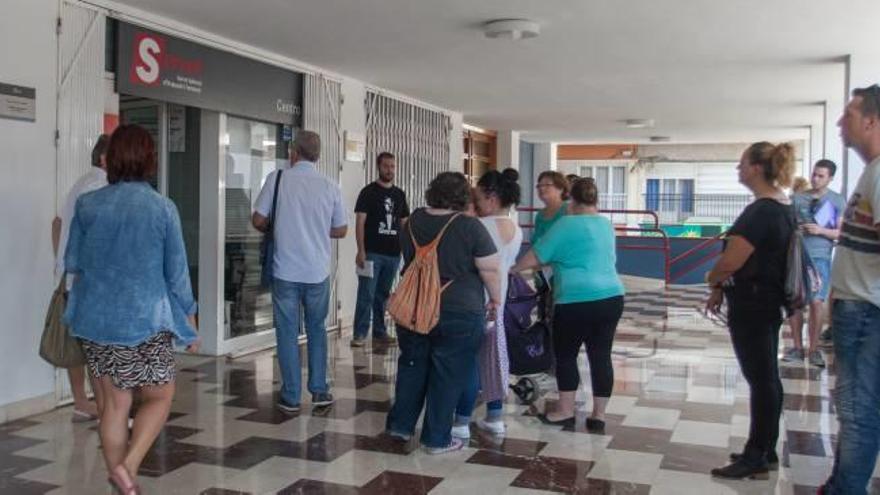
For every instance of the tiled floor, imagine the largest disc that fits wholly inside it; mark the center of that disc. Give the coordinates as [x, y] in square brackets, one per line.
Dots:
[680, 407]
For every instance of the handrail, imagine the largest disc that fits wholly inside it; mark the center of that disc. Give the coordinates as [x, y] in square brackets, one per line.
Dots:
[693, 266]
[701, 245]
[667, 265]
[665, 248]
[703, 259]
[652, 214]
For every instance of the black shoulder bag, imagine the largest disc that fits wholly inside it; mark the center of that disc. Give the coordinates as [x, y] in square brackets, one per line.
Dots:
[267, 248]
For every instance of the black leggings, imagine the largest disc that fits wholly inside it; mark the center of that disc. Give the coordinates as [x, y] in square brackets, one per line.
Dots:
[593, 323]
[755, 337]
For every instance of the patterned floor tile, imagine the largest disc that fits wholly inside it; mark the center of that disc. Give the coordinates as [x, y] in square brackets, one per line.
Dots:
[679, 407]
[627, 466]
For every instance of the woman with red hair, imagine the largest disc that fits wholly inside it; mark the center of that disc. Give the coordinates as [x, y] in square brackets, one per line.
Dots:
[131, 298]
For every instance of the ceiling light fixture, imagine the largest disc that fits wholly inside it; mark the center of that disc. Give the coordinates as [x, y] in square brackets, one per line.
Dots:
[660, 139]
[638, 123]
[511, 29]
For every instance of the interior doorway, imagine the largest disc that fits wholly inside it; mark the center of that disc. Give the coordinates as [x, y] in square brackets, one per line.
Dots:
[176, 133]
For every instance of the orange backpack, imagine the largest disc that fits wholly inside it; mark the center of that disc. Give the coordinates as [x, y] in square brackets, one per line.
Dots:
[415, 303]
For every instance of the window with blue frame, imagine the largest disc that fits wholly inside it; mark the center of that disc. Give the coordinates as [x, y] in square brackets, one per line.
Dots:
[686, 189]
[652, 198]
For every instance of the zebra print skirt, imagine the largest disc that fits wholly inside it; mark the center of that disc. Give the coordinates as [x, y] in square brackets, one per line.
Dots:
[149, 363]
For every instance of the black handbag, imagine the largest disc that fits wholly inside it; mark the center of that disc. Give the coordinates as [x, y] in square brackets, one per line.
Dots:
[267, 247]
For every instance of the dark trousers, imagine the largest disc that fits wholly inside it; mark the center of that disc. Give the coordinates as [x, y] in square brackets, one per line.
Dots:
[432, 372]
[372, 295]
[594, 324]
[755, 337]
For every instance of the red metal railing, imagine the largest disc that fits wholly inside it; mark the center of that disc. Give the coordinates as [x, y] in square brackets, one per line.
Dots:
[700, 261]
[664, 247]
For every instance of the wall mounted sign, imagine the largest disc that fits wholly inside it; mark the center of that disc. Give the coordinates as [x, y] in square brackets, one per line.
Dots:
[165, 68]
[18, 102]
[355, 144]
[177, 128]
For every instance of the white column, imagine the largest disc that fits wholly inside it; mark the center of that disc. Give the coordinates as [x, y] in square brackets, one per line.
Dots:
[456, 144]
[211, 236]
[635, 191]
[806, 156]
[816, 143]
[508, 150]
[859, 73]
[545, 159]
[353, 119]
[833, 149]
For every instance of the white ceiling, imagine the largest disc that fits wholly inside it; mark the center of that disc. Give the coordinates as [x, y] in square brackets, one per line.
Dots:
[705, 70]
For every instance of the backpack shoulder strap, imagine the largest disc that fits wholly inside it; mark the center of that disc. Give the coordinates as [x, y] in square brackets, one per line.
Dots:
[443, 230]
[411, 235]
[436, 238]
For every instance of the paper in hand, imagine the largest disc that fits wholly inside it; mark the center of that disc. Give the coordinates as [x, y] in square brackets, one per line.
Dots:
[366, 271]
[826, 215]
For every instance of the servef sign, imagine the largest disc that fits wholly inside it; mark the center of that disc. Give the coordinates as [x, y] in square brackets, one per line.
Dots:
[149, 51]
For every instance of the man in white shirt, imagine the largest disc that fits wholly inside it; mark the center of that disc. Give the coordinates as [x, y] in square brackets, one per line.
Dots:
[94, 179]
[309, 213]
[855, 286]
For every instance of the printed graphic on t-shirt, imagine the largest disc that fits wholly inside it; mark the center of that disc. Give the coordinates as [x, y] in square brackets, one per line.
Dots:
[858, 231]
[386, 227]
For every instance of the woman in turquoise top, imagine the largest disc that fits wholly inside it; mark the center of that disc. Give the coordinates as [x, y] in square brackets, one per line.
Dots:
[552, 189]
[588, 298]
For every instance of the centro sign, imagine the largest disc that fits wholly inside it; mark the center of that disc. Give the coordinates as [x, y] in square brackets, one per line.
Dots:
[165, 68]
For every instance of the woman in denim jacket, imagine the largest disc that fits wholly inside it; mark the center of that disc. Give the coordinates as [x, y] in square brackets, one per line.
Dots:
[131, 297]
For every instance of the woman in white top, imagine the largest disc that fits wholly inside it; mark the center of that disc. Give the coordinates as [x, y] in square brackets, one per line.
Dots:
[94, 179]
[496, 193]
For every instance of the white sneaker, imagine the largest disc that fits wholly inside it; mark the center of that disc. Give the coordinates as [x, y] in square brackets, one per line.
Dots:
[493, 427]
[455, 444]
[463, 432]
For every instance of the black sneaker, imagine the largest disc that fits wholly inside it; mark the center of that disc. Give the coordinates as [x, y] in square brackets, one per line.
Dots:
[596, 426]
[741, 470]
[322, 399]
[825, 338]
[772, 460]
[287, 407]
[385, 340]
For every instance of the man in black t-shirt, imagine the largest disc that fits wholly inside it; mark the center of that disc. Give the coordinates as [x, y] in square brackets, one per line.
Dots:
[381, 210]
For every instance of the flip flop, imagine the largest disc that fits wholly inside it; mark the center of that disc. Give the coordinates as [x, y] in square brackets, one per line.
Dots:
[83, 417]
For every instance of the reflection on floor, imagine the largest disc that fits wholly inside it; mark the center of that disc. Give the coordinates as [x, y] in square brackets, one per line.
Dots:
[680, 406]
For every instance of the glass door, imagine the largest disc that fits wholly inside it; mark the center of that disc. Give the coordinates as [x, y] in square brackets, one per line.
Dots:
[175, 130]
[253, 150]
[150, 115]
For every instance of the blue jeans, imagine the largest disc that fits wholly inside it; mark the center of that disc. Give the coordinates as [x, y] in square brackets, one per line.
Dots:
[373, 294]
[857, 395]
[289, 301]
[468, 400]
[432, 371]
[823, 267]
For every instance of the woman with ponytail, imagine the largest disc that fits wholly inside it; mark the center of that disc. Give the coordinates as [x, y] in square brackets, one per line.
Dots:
[494, 197]
[750, 275]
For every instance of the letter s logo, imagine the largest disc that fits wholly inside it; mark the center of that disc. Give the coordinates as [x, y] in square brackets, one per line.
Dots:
[148, 54]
